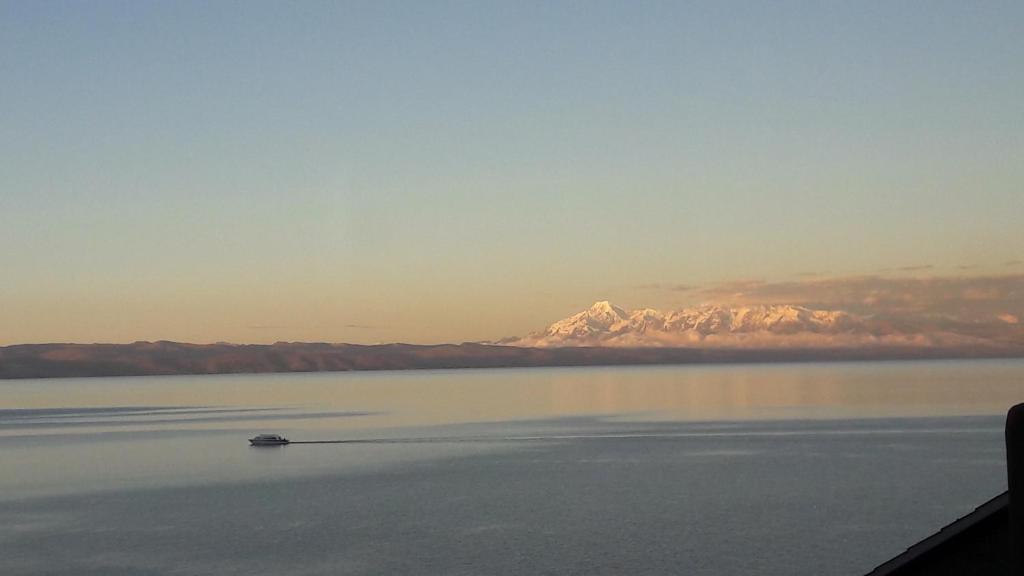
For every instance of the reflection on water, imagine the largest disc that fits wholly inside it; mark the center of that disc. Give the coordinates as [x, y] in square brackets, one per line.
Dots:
[780, 497]
[714, 392]
[94, 420]
[697, 469]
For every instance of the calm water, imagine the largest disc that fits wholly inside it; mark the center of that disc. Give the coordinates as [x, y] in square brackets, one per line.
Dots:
[768, 469]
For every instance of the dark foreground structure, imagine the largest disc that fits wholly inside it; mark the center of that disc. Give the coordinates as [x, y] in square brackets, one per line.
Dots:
[989, 540]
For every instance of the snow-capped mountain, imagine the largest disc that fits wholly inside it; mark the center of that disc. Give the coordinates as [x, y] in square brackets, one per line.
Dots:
[779, 319]
[605, 324]
[600, 318]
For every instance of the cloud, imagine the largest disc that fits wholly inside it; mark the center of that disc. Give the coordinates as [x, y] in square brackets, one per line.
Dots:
[876, 294]
[954, 312]
[1013, 262]
[948, 312]
[918, 268]
[361, 327]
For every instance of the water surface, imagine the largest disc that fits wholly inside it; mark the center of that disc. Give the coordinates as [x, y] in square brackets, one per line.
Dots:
[774, 469]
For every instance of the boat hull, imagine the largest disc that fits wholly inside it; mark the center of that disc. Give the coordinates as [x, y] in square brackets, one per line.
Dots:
[268, 441]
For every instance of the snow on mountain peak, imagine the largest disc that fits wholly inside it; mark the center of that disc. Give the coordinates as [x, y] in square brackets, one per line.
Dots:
[604, 324]
[600, 317]
[606, 307]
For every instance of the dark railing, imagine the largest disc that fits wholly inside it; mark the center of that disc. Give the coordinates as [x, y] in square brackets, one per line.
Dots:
[1015, 481]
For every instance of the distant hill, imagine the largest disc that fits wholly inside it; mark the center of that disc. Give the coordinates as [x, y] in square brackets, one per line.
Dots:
[153, 358]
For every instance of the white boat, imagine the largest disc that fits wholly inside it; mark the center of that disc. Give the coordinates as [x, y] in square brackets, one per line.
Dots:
[268, 440]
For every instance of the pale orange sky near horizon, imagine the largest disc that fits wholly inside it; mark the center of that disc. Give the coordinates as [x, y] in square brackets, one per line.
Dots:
[377, 172]
[450, 319]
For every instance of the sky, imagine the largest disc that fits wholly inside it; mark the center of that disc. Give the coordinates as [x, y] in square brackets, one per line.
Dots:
[454, 171]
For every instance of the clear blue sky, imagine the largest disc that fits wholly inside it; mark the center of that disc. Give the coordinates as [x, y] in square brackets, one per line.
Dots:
[428, 171]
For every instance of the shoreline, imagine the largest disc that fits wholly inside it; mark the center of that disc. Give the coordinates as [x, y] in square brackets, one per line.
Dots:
[39, 361]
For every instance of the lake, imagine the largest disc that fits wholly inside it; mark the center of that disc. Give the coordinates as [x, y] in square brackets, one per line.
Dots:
[816, 468]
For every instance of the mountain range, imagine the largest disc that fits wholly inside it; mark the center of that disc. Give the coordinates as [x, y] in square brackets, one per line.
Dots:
[762, 326]
[603, 334]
